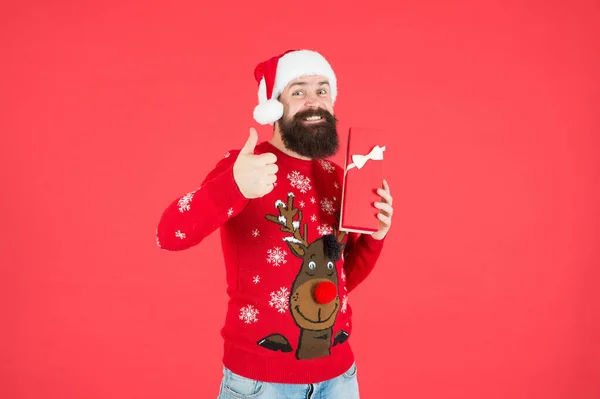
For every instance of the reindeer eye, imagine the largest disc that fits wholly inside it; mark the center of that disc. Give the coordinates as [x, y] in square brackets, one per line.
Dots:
[312, 265]
[330, 265]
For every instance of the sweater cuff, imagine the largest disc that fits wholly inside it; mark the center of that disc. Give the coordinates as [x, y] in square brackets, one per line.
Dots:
[372, 242]
[225, 193]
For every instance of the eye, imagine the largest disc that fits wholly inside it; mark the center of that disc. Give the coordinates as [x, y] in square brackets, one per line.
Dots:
[312, 265]
[322, 91]
[330, 265]
[297, 93]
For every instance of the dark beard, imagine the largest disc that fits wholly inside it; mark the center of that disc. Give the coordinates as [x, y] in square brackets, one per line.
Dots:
[315, 141]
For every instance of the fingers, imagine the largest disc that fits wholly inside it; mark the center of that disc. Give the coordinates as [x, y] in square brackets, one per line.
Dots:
[272, 168]
[385, 219]
[269, 188]
[270, 179]
[267, 158]
[250, 143]
[385, 207]
[385, 194]
[386, 186]
[270, 173]
[385, 216]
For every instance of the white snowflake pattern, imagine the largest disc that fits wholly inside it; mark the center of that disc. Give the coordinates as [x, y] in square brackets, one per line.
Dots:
[327, 206]
[313, 200]
[248, 314]
[299, 181]
[227, 154]
[158, 241]
[255, 233]
[280, 299]
[327, 166]
[256, 279]
[343, 275]
[336, 185]
[344, 304]
[184, 202]
[301, 204]
[325, 229]
[230, 212]
[276, 256]
[179, 234]
[313, 218]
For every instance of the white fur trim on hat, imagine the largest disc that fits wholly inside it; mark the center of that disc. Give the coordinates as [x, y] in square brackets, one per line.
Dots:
[289, 67]
[303, 63]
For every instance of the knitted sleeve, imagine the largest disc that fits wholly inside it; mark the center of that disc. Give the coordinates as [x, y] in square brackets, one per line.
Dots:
[360, 255]
[193, 216]
[360, 252]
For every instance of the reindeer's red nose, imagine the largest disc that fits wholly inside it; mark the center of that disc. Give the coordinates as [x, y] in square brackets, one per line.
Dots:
[325, 292]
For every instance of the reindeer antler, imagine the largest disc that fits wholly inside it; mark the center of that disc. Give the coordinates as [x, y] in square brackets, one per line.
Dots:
[338, 233]
[287, 222]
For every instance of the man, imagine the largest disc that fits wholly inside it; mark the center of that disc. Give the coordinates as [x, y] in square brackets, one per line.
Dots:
[289, 269]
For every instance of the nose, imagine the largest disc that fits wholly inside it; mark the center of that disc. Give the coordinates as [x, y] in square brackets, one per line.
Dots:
[312, 100]
[325, 292]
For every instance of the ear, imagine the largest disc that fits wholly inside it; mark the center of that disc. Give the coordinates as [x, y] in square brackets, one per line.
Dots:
[297, 249]
[332, 249]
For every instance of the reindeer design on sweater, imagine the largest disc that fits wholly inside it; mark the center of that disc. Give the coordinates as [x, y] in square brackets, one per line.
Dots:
[314, 298]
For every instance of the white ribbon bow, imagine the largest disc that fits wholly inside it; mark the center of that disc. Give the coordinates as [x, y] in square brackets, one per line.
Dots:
[359, 161]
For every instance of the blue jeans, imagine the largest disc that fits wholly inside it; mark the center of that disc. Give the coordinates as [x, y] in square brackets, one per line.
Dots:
[234, 386]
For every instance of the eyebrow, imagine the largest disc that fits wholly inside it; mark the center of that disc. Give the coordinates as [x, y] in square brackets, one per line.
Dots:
[324, 82]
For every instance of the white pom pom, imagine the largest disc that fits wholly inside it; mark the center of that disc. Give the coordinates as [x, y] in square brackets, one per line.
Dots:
[268, 112]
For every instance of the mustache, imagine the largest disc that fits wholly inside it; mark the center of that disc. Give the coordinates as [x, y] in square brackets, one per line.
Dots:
[314, 112]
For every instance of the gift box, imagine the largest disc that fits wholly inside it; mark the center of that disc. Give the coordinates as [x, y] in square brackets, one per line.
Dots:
[363, 175]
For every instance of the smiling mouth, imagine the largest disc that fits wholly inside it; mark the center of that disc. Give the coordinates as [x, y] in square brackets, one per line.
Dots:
[312, 321]
[313, 119]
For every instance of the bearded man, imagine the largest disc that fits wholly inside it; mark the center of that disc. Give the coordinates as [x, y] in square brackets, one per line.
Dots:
[289, 268]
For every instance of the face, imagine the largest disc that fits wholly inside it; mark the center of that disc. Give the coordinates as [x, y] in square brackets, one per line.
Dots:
[316, 268]
[308, 125]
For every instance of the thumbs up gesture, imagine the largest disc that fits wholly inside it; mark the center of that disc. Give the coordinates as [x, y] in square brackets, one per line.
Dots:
[254, 174]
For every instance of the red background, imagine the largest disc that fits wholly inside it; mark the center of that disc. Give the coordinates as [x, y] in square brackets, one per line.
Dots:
[488, 284]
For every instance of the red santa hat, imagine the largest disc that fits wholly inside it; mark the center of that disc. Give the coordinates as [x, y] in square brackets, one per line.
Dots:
[274, 74]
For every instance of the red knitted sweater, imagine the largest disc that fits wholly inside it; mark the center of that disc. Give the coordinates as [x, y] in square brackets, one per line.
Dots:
[289, 271]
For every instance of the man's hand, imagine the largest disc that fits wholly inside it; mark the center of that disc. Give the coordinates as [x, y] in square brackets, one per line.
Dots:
[254, 174]
[385, 216]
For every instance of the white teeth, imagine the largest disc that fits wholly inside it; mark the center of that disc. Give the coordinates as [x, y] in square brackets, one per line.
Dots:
[313, 118]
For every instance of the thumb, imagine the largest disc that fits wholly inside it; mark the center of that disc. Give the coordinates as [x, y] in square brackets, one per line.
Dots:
[251, 143]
